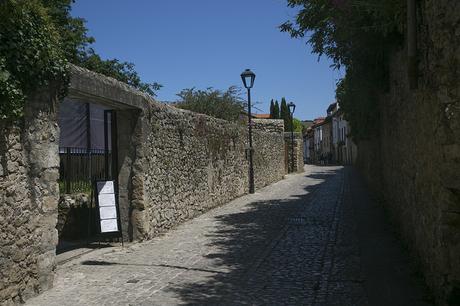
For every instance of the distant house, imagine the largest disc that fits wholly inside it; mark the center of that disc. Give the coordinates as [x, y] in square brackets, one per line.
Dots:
[326, 142]
[318, 138]
[343, 148]
[327, 139]
[261, 116]
[307, 134]
[308, 145]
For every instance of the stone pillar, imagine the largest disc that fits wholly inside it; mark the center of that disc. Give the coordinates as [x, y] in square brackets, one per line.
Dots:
[268, 151]
[298, 151]
[130, 174]
[29, 195]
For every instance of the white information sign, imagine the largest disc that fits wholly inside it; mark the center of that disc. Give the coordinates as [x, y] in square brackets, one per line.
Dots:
[106, 199]
[109, 225]
[105, 187]
[108, 212]
[107, 207]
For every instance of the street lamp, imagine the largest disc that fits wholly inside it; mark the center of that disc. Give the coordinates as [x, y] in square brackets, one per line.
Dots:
[291, 111]
[248, 78]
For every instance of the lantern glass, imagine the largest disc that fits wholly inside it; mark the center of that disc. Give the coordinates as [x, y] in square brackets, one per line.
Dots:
[248, 78]
[291, 107]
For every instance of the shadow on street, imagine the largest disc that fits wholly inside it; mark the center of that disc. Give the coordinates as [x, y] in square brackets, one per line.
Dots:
[245, 243]
[311, 248]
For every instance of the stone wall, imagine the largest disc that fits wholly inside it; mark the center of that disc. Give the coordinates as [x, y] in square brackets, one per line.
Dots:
[175, 164]
[298, 152]
[368, 162]
[29, 194]
[419, 148]
[192, 163]
[268, 151]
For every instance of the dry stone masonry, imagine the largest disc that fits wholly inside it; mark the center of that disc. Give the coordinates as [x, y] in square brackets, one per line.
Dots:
[192, 163]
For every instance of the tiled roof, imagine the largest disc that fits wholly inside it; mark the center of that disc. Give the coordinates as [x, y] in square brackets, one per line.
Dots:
[318, 120]
[262, 116]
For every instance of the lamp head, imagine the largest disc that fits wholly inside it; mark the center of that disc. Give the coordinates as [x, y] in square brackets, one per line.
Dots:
[291, 106]
[248, 78]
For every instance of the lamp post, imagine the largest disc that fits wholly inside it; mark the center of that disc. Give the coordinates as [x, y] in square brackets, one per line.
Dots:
[291, 111]
[248, 78]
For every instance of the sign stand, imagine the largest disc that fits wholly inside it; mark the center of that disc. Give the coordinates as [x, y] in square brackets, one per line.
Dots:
[107, 210]
[90, 220]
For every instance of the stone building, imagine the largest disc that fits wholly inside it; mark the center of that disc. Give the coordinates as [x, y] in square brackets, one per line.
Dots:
[168, 165]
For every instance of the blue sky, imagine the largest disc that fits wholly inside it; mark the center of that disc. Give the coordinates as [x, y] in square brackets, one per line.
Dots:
[208, 43]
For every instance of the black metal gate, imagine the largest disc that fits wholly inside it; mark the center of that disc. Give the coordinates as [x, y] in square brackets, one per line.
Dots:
[79, 169]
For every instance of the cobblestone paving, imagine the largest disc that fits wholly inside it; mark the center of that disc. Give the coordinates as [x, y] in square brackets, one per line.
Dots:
[312, 239]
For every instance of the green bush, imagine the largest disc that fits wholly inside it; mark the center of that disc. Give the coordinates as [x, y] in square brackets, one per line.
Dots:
[226, 105]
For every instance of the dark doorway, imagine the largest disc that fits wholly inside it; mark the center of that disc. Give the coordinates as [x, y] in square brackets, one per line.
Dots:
[88, 152]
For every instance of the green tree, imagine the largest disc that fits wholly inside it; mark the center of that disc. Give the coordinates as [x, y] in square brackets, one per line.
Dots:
[122, 71]
[77, 46]
[272, 109]
[227, 105]
[31, 54]
[285, 115]
[357, 35]
[38, 38]
[276, 110]
[72, 31]
[297, 125]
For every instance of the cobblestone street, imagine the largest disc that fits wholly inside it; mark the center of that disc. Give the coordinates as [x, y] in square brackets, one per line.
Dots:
[314, 238]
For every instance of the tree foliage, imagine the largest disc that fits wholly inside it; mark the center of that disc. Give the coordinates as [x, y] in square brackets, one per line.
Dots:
[78, 50]
[276, 110]
[297, 125]
[227, 105]
[357, 35]
[38, 38]
[122, 71]
[75, 42]
[285, 115]
[31, 53]
[272, 109]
